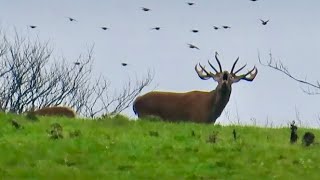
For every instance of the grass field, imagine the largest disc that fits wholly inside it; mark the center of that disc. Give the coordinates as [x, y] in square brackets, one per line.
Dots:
[117, 148]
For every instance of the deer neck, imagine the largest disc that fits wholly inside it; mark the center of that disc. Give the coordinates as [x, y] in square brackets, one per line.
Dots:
[219, 99]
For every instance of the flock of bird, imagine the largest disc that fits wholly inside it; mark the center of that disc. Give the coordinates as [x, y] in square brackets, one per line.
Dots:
[157, 28]
[192, 46]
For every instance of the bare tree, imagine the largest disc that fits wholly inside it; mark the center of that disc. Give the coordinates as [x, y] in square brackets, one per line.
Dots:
[101, 101]
[31, 78]
[125, 98]
[311, 88]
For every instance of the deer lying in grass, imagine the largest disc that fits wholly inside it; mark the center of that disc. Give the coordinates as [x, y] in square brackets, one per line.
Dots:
[195, 106]
[54, 111]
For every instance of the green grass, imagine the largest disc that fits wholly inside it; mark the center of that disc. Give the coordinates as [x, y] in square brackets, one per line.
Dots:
[116, 148]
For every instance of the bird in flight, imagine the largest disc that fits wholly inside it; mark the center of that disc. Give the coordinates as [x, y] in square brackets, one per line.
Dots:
[194, 30]
[215, 27]
[156, 28]
[190, 3]
[193, 46]
[253, 0]
[32, 26]
[226, 27]
[145, 9]
[124, 64]
[264, 22]
[104, 28]
[71, 19]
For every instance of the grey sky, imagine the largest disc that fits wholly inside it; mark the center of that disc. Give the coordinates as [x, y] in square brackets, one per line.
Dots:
[293, 35]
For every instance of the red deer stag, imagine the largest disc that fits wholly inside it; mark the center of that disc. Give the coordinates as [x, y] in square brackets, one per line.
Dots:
[195, 106]
[54, 111]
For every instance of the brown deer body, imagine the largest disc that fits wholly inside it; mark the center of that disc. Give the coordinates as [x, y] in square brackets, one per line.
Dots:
[55, 111]
[195, 106]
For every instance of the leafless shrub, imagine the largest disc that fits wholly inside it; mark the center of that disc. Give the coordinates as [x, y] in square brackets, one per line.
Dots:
[254, 121]
[268, 123]
[31, 78]
[126, 96]
[232, 120]
[226, 113]
[237, 115]
[318, 119]
[298, 118]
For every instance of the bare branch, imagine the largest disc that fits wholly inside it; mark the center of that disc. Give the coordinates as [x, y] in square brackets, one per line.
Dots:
[125, 98]
[279, 66]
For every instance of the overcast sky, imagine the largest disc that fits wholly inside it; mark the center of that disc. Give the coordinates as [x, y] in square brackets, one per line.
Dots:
[292, 35]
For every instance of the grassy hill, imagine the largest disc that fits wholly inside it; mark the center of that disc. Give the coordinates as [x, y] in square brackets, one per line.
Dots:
[117, 148]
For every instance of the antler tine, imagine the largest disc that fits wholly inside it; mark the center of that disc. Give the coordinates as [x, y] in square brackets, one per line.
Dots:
[201, 74]
[234, 65]
[212, 67]
[216, 56]
[240, 69]
[252, 76]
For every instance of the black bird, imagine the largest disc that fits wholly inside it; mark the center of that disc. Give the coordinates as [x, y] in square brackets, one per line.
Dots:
[145, 9]
[104, 28]
[194, 30]
[215, 27]
[124, 64]
[253, 0]
[264, 22]
[190, 3]
[32, 26]
[226, 27]
[193, 46]
[71, 19]
[156, 28]
[77, 63]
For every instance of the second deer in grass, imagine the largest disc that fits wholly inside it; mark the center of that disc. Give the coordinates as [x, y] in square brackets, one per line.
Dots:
[54, 111]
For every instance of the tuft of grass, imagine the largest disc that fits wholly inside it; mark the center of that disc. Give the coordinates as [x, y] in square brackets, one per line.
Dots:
[117, 148]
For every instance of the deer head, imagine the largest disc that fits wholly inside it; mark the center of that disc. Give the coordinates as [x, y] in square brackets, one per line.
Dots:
[224, 78]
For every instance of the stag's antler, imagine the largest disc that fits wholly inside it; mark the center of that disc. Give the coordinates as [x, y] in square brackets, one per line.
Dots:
[203, 73]
[234, 65]
[244, 76]
[216, 56]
